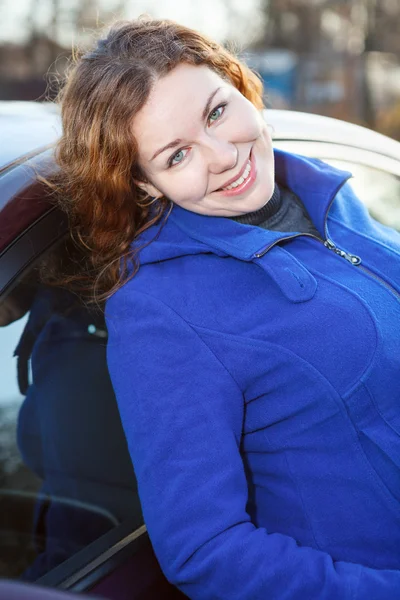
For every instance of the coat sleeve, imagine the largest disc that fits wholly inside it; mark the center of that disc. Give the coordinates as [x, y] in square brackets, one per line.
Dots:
[177, 402]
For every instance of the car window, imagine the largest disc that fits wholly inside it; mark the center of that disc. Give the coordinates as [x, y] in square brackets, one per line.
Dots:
[379, 190]
[376, 177]
[65, 473]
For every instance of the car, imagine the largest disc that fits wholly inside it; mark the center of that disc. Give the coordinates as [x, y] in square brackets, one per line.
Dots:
[98, 537]
[26, 126]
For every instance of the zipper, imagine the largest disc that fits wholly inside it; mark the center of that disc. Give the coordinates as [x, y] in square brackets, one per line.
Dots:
[356, 261]
[263, 251]
[353, 259]
[381, 281]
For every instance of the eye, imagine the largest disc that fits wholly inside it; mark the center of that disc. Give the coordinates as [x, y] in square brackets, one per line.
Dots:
[216, 113]
[177, 157]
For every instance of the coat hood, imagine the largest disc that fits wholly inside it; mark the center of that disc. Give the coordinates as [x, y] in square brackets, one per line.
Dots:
[184, 232]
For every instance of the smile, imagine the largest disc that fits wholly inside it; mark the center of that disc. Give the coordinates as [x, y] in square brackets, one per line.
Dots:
[240, 180]
[243, 182]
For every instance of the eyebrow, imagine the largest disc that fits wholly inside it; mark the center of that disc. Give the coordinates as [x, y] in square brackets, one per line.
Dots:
[177, 142]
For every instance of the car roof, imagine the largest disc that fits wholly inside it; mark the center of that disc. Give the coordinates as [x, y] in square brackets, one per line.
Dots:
[25, 126]
[296, 125]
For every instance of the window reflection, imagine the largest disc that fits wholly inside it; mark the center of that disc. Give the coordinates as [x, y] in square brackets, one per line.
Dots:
[65, 473]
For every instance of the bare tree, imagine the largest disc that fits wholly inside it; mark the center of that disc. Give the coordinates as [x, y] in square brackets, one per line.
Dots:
[293, 24]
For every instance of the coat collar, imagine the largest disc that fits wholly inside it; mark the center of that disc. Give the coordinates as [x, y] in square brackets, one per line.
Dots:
[314, 182]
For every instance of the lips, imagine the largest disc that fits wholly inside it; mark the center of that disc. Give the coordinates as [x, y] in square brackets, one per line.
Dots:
[238, 176]
[247, 183]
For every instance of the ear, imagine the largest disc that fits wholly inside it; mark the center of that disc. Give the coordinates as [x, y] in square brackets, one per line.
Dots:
[149, 188]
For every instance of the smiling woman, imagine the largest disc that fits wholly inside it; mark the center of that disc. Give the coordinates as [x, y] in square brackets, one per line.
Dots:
[98, 152]
[218, 152]
[255, 353]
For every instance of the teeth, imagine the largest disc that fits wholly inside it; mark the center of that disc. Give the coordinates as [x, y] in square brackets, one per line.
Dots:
[241, 179]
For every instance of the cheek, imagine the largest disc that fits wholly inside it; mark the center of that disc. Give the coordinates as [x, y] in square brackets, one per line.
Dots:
[189, 186]
[266, 136]
[184, 186]
[247, 124]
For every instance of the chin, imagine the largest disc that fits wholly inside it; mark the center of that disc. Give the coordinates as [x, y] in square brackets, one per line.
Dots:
[262, 199]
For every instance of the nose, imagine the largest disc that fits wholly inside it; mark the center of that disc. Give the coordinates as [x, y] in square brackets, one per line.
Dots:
[222, 155]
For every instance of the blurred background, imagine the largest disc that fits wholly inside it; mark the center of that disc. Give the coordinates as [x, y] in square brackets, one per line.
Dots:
[338, 58]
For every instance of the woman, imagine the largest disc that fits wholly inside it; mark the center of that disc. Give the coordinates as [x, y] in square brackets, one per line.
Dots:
[255, 361]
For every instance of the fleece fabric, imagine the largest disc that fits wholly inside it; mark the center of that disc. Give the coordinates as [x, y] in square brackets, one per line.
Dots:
[257, 375]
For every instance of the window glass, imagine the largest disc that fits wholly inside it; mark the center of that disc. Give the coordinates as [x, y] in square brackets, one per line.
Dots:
[378, 189]
[65, 473]
[15, 548]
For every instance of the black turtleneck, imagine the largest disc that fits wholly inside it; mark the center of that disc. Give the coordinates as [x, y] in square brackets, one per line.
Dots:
[283, 212]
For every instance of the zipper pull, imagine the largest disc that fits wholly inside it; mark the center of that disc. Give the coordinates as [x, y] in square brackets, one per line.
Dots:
[351, 258]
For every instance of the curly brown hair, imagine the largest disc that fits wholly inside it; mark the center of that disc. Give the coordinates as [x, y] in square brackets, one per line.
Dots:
[97, 153]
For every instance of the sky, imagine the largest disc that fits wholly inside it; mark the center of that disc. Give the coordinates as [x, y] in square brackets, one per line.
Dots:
[217, 18]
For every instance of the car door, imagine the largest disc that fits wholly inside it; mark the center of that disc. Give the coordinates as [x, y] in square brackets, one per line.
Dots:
[70, 515]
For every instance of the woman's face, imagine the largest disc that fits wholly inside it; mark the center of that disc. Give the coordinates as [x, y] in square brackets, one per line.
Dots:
[203, 145]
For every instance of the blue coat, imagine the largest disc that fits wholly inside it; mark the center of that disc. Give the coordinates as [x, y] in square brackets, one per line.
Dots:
[257, 375]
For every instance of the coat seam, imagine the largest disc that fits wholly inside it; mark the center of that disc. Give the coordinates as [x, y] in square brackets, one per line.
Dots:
[262, 343]
[373, 473]
[369, 312]
[305, 512]
[193, 328]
